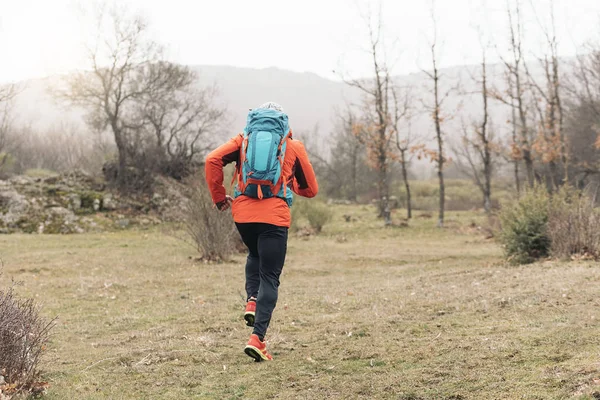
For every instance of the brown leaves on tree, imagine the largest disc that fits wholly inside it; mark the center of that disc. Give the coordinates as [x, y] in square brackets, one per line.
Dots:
[377, 141]
[422, 152]
[547, 149]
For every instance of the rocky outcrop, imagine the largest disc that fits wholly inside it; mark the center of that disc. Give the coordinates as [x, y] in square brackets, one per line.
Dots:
[75, 203]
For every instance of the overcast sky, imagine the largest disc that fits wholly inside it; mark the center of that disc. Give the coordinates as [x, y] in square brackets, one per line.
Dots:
[44, 37]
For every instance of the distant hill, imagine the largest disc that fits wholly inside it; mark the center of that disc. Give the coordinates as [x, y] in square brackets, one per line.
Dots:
[309, 99]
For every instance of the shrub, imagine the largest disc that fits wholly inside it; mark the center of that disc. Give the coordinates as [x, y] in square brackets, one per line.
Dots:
[211, 231]
[297, 212]
[574, 226]
[317, 214]
[524, 231]
[23, 337]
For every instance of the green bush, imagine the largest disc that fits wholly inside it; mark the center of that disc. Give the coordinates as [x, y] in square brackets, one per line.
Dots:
[297, 211]
[317, 214]
[524, 231]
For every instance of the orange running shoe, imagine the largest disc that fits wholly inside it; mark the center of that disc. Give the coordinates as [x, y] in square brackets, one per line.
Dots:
[250, 313]
[257, 349]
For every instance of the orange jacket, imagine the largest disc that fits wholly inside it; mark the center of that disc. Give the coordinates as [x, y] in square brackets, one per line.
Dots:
[275, 211]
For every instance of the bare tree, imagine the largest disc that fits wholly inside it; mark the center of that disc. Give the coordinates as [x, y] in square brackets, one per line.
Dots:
[375, 130]
[341, 159]
[435, 110]
[582, 116]
[7, 139]
[515, 96]
[116, 81]
[347, 154]
[355, 151]
[158, 119]
[585, 80]
[404, 142]
[550, 141]
[178, 117]
[477, 148]
[515, 153]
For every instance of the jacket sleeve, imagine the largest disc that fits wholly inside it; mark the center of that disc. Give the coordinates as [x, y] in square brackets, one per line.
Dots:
[305, 181]
[213, 168]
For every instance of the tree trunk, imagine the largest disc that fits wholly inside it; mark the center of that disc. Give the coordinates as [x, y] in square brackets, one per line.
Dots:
[529, 168]
[440, 142]
[487, 191]
[516, 160]
[440, 164]
[354, 190]
[554, 176]
[487, 154]
[406, 185]
[525, 147]
[517, 180]
[122, 150]
[442, 193]
[384, 196]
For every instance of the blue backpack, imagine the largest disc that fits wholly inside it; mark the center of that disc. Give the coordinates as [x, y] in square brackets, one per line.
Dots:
[262, 156]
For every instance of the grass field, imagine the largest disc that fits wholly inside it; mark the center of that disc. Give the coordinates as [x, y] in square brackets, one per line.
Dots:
[364, 313]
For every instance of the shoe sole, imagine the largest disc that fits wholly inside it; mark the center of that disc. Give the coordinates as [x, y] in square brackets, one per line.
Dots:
[249, 317]
[255, 353]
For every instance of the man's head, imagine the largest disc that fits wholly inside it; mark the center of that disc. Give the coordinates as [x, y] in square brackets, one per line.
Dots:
[272, 105]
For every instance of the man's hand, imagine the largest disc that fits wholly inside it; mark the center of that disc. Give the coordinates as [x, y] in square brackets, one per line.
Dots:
[225, 204]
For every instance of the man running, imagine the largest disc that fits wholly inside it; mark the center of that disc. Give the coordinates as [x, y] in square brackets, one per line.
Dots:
[269, 166]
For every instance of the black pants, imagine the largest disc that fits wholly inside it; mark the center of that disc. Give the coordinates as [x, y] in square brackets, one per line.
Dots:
[267, 246]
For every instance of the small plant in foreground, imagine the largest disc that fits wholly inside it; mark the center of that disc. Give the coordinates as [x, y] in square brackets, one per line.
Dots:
[318, 215]
[211, 231]
[23, 337]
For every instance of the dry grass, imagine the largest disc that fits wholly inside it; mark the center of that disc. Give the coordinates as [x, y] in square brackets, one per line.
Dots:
[400, 313]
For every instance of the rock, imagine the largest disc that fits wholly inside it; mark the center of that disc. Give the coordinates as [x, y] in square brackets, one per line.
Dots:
[2, 381]
[59, 220]
[90, 223]
[75, 201]
[21, 180]
[52, 203]
[13, 206]
[158, 201]
[66, 215]
[108, 202]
